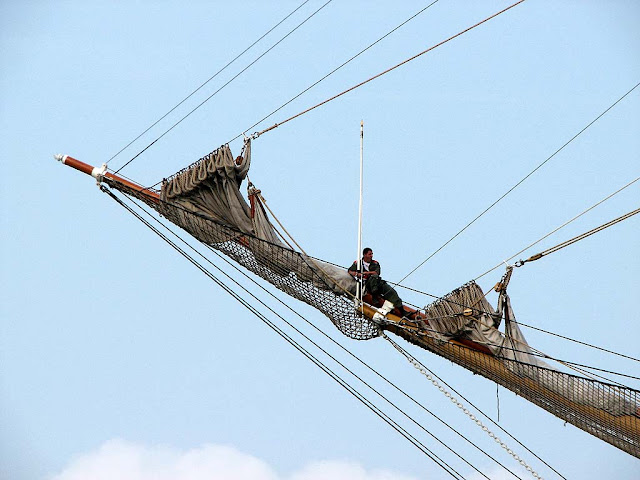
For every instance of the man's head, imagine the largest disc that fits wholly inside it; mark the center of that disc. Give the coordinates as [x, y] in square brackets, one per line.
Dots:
[367, 255]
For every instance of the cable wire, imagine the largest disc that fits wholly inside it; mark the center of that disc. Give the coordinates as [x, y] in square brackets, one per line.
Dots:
[257, 134]
[520, 182]
[231, 264]
[333, 71]
[318, 363]
[577, 238]
[208, 80]
[557, 229]
[223, 86]
[344, 349]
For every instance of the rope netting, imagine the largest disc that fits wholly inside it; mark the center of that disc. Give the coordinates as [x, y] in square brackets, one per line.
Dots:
[607, 411]
[288, 270]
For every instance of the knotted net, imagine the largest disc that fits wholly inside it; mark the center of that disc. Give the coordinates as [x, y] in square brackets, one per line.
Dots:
[204, 200]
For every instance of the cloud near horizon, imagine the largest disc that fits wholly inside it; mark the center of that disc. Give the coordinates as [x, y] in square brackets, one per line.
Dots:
[130, 461]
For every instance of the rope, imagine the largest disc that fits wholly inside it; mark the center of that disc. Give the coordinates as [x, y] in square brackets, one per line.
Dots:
[315, 264]
[257, 134]
[422, 369]
[520, 182]
[227, 83]
[578, 341]
[226, 260]
[560, 227]
[443, 299]
[573, 240]
[305, 352]
[291, 341]
[333, 71]
[206, 82]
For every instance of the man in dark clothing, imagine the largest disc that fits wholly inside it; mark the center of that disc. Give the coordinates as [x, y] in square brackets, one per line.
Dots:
[374, 284]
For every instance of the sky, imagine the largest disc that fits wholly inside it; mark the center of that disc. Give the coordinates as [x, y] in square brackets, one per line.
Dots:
[119, 359]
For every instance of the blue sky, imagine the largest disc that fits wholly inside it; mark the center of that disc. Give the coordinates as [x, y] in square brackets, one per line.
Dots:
[114, 351]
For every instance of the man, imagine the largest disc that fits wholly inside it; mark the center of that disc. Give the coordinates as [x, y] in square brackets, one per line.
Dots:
[374, 284]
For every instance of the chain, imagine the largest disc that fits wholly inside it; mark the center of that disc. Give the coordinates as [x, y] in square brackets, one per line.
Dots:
[461, 406]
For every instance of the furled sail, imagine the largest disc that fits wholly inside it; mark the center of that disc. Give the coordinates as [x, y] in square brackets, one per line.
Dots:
[204, 200]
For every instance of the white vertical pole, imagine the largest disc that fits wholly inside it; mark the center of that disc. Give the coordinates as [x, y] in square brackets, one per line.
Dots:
[359, 257]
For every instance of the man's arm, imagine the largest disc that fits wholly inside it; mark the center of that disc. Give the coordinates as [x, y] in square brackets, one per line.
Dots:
[374, 268]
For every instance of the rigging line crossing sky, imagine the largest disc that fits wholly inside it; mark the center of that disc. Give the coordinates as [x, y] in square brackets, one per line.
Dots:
[174, 368]
[460, 405]
[564, 337]
[347, 369]
[582, 236]
[558, 228]
[352, 355]
[208, 80]
[488, 418]
[333, 71]
[257, 134]
[578, 341]
[330, 73]
[363, 399]
[519, 183]
[225, 84]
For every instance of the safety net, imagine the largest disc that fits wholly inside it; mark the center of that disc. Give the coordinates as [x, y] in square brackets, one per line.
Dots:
[608, 411]
[204, 200]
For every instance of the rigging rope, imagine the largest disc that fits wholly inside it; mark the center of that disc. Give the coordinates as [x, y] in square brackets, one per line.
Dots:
[226, 260]
[577, 238]
[227, 83]
[443, 299]
[210, 78]
[519, 183]
[422, 369]
[296, 345]
[560, 227]
[257, 134]
[578, 341]
[333, 71]
[219, 255]
[318, 363]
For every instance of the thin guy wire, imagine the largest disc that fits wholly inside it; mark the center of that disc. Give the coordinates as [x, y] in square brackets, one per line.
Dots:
[582, 236]
[222, 257]
[560, 227]
[210, 78]
[358, 359]
[223, 86]
[518, 322]
[320, 331]
[520, 182]
[333, 71]
[257, 134]
[307, 354]
[578, 341]
[425, 371]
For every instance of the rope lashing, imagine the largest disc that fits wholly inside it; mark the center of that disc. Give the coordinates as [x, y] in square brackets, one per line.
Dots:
[582, 236]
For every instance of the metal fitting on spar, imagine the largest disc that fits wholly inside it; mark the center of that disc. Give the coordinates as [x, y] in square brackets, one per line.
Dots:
[95, 172]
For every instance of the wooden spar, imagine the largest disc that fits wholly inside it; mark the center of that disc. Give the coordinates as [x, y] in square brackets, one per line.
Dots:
[99, 173]
[483, 362]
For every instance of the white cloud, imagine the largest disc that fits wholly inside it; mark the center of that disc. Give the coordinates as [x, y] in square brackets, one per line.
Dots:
[129, 461]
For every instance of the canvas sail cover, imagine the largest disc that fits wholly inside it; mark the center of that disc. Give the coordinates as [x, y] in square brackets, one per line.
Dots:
[204, 199]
